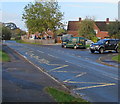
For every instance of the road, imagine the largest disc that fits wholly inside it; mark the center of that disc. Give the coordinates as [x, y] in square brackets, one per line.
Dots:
[77, 69]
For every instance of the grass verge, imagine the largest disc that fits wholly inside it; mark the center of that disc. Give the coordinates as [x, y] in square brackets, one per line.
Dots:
[21, 41]
[116, 58]
[61, 96]
[4, 56]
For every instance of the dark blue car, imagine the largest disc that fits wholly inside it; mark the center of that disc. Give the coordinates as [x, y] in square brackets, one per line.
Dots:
[105, 45]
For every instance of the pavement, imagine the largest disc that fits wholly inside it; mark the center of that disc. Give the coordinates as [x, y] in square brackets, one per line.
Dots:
[23, 82]
[107, 60]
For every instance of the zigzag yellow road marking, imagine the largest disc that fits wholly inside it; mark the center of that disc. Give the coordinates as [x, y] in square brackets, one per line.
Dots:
[82, 88]
[59, 67]
[47, 62]
[79, 75]
[95, 86]
[84, 82]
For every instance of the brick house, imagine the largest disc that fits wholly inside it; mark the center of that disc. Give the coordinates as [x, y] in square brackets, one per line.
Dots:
[100, 27]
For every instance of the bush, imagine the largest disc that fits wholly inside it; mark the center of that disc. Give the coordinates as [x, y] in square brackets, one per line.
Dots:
[6, 33]
[94, 39]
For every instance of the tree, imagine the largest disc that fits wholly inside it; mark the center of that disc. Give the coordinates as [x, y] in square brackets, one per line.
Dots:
[6, 33]
[15, 31]
[61, 31]
[86, 29]
[42, 16]
[114, 29]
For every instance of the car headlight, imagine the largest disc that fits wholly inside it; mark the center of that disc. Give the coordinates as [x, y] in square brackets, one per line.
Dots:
[97, 46]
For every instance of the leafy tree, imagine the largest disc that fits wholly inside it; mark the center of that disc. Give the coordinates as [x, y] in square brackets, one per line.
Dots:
[15, 31]
[42, 16]
[86, 29]
[61, 31]
[114, 29]
[10, 25]
[6, 33]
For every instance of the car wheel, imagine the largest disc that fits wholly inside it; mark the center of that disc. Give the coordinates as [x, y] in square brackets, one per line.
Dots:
[117, 50]
[101, 50]
[75, 47]
[92, 51]
[64, 46]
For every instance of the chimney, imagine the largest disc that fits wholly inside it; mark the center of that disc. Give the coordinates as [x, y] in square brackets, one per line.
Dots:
[107, 20]
[80, 19]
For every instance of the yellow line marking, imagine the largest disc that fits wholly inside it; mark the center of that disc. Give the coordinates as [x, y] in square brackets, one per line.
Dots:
[85, 82]
[58, 67]
[82, 88]
[79, 75]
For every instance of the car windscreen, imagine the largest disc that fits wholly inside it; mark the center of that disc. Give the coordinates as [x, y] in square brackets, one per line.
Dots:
[101, 41]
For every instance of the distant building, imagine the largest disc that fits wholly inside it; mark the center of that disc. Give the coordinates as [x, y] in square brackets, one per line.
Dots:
[100, 27]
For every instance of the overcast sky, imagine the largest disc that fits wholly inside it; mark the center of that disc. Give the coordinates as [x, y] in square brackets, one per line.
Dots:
[11, 10]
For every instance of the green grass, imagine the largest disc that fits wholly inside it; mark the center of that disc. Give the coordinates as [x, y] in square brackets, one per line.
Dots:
[116, 58]
[21, 41]
[4, 56]
[61, 96]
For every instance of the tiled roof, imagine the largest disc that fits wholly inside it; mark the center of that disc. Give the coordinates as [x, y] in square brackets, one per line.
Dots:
[101, 25]
[74, 25]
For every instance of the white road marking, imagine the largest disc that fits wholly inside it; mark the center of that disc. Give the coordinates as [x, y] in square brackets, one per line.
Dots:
[40, 51]
[52, 56]
[87, 58]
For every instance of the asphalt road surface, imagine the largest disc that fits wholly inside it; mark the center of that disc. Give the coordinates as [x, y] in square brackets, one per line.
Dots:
[77, 69]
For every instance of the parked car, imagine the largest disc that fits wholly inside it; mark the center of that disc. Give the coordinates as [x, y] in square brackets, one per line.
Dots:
[65, 38]
[89, 41]
[76, 42]
[105, 45]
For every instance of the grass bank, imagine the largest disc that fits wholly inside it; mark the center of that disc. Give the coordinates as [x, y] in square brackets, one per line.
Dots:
[116, 58]
[4, 56]
[61, 96]
[21, 41]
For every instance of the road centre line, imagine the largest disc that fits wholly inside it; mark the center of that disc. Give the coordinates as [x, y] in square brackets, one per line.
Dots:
[82, 88]
[58, 68]
[111, 77]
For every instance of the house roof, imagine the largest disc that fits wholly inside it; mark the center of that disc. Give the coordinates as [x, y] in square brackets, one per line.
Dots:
[74, 25]
[101, 25]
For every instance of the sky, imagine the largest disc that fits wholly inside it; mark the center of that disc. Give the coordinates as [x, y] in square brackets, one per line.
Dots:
[12, 10]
